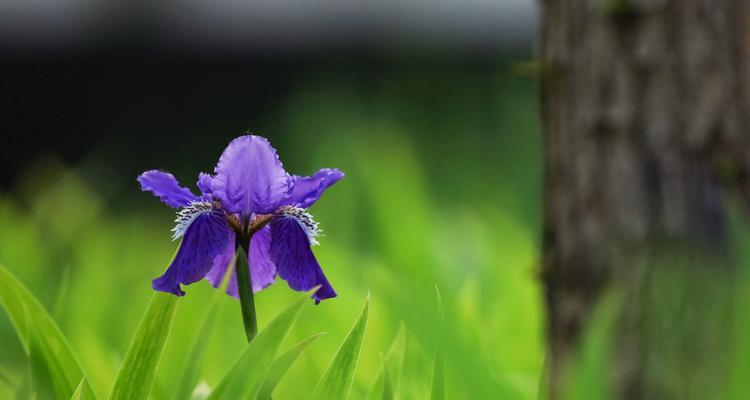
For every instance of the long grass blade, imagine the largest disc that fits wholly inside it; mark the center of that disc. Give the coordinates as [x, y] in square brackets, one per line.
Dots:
[389, 375]
[197, 349]
[281, 365]
[138, 370]
[245, 378]
[337, 379]
[78, 394]
[438, 369]
[53, 350]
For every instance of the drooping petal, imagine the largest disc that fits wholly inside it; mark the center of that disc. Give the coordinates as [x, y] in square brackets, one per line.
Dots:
[295, 262]
[219, 267]
[306, 190]
[204, 184]
[249, 177]
[262, 270]
[205, 238]
[166, 188]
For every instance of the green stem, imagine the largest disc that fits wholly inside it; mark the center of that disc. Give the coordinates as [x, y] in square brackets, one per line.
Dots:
[245, 288]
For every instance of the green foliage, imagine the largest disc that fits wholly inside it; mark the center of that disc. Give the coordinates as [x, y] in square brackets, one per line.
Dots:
[196, 352]
[78, 394]
[53, 363]
[438, 369]
[138, 370]
[245, 378]
[281, 364]
[337, 379]
[388, 378]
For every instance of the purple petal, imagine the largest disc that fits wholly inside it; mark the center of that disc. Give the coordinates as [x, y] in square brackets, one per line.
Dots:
[220, 264]
[262, 270]
[249, 177]
[165, 186]
[295, 262]
[306, 190]
[204, 184]
[205, 238]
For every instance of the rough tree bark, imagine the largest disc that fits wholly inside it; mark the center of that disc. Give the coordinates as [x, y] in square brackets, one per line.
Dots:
[645, 107]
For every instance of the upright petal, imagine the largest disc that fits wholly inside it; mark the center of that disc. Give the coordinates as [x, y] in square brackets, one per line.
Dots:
[306, 190]
[262, 270]
[166, 188]
[205, 238]
[204, 184]
[295, 262]
[249, 177]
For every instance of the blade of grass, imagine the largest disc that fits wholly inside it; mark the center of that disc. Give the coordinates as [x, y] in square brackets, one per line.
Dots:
[138, 370]
[43, 383]
[337, 379]
[245, 378]
[25, 310]
[393, 363]
[197, 349]
[78, 395]
[438, 370]
[62, 293]
[281, 364]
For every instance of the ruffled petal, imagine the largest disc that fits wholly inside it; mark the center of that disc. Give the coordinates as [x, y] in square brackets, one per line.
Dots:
[249, 177]
[262, 270]
[306, 190]
[204, 184]
[166, 188]
[205, 238]
[295, 262]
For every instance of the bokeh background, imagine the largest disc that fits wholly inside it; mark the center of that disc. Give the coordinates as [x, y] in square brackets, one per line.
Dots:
[418, 102]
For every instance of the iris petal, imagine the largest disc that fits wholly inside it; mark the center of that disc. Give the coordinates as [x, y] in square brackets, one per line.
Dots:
[205, 238]
[295, 262]
[165, 186]
[204, 184]
[262, 270]
[306, 190]
[250, 177]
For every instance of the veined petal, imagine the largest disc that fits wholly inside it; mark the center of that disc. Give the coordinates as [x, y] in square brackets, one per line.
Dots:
[249, 177]
[262, 270]
[166, 188]
[204, 239]
[306, 190]
[295, 262]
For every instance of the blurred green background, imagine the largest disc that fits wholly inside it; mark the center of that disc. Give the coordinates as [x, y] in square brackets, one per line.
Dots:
[442, 188]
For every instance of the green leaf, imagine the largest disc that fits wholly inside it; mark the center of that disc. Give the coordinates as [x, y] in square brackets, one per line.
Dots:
[281, 364]
[78, 395]
[245, 378]
[389, 375]
[43, 372]
[52, 349]
[197, 349]
[337, 379]
[138, 370]
[438, 370]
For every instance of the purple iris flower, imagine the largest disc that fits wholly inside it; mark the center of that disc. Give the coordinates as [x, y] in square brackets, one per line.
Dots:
[249, 201]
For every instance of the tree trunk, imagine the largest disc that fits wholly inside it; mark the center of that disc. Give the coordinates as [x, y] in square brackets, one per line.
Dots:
[644, 107]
